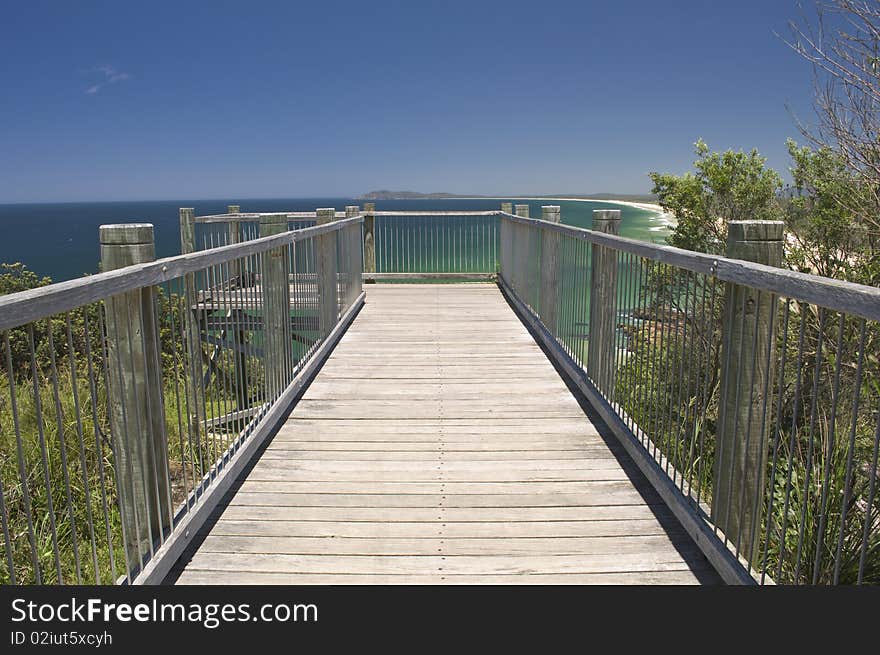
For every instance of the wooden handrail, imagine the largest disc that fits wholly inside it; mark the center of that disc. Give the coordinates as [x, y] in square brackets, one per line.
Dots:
[837, 295]
[34, 304]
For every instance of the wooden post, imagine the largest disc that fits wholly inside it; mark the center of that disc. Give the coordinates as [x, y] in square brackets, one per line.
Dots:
[233, 228]
[746, 376]
[239, 338]
[602, 344]
[522, 275]
[506, 230]
[369, 237]
[353, 277]
[135, 403]
[550, 268]
[192, 329]
[326, 265]
[234, 237]
[233, 225]
[275, 285]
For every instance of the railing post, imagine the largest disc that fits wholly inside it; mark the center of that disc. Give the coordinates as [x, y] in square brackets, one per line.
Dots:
[521, 255]
[239, 358]
[505, 237]
[191, 325]
[326, 265]
[135, 403]
[550, 268]
[233, 232]
[352, 277]
[276, 307]
[233, 225]
[746, 380]
[369, 237]
[602, 344]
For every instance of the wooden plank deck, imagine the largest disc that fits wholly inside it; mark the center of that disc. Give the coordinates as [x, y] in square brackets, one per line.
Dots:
[439, 445]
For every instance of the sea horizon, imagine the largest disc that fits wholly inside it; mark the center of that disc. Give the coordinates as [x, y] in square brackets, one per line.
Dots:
[60, 239]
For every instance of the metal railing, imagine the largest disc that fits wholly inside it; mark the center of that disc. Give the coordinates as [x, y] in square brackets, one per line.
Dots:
[747, 394]
[131, 399]
[216, 230]
[397, 245]
[440, 242]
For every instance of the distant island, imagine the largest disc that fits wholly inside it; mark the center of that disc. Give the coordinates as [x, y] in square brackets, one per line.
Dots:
[416, 195]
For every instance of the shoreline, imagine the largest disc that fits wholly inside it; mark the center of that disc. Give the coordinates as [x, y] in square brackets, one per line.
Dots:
[668, 220]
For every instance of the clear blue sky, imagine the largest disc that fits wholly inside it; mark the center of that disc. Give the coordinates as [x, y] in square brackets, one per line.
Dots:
[105, 101]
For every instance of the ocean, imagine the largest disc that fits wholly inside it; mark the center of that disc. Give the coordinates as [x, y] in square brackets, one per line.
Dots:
[60, 240]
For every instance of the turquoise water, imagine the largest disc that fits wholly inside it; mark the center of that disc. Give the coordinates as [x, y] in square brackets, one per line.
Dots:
[60, 240]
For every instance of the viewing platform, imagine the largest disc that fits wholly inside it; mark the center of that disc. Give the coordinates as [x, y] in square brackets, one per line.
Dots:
[438, 444]
[439, 397]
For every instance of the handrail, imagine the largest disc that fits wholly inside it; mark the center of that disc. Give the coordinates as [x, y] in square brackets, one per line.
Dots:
[857, 299]
[747, 394]
[132, 398]
[439, 212]
[255, 216]
[23, 307]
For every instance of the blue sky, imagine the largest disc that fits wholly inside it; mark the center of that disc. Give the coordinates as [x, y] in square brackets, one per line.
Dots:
[110, 101]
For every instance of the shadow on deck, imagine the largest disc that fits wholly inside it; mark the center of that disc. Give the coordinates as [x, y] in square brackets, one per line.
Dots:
[438, 444]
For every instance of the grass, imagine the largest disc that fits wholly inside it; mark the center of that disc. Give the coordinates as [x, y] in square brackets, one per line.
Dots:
[820, 522]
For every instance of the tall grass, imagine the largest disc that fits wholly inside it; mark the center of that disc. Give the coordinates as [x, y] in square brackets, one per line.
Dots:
[57, 465]
[821, 520]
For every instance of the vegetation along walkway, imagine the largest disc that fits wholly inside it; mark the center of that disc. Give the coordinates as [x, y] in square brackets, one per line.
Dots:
[438, 444]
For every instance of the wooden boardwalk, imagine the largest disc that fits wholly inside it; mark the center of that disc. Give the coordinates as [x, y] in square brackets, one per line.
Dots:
[438, 444]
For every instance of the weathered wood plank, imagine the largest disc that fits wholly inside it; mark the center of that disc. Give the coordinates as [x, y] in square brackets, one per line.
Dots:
[458, 564]
[624, 494]
[262, 483]
[548, 459]
[451, 514]
[451, 529]
[651, 545]
[196, 577]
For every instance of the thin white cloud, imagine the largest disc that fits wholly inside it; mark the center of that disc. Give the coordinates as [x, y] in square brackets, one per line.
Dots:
[110, 76]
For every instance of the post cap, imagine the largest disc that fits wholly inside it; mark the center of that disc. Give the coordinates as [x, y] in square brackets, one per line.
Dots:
[273, 218]
[755, 231]
[606, 214]
[233, 209]
[325, 215]
[125, 234]
[352, 209]
[550, 213]
[369, 206]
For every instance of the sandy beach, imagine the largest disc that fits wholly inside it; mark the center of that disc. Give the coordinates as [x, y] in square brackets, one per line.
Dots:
[665, 218]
